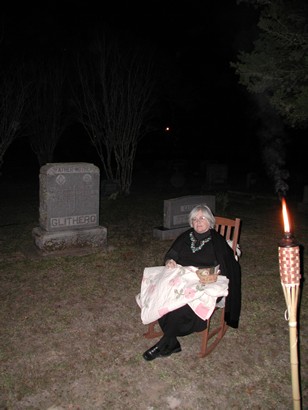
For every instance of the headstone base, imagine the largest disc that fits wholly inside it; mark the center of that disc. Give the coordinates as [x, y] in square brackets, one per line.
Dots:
[166, 234]
[93, 238]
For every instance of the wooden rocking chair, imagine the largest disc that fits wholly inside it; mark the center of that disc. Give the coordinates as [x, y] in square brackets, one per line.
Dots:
[230, 230]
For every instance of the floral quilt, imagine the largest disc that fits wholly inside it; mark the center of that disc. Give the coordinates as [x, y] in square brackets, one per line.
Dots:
[164, 289]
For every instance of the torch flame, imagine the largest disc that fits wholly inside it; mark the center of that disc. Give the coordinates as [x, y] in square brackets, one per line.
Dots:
[285, 216]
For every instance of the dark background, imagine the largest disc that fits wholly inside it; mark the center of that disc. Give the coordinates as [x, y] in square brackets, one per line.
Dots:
[215, 119]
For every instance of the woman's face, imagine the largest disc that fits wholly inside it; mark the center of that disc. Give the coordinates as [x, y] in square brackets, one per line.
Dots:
[200, 223]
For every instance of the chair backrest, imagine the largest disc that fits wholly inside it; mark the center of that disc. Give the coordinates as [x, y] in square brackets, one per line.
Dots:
[229, 229]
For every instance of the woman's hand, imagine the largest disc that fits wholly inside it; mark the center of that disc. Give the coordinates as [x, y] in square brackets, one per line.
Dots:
[171, 264]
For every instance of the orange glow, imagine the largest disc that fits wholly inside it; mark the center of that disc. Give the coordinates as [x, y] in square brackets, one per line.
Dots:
[285, 216]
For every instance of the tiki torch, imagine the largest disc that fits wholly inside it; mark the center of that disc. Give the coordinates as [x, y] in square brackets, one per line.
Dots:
[289, 266]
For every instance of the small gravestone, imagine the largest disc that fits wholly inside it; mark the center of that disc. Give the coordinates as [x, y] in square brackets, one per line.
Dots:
[303, 206]
[176, 212]
[69, 208]
[216, 174]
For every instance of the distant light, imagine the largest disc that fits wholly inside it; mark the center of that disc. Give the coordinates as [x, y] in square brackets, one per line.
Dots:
[167, 129]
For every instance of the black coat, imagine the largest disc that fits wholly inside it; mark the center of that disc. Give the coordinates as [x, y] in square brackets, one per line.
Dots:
[229, 267]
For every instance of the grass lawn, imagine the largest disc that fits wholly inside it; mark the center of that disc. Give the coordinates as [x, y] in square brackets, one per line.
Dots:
[71, 335]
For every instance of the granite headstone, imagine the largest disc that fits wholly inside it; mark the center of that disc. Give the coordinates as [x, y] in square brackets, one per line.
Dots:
[303, 206]
[69, 208]
[176, 211]
[216, 174]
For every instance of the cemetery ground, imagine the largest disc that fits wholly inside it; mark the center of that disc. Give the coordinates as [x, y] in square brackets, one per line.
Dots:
[71, 334]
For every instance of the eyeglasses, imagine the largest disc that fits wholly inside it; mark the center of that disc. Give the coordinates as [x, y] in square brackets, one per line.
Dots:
[201, 219]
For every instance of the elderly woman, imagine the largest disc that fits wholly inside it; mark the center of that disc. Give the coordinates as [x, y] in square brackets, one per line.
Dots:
[199, 246]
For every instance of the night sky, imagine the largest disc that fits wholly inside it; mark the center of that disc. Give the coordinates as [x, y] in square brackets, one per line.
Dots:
[200, 38]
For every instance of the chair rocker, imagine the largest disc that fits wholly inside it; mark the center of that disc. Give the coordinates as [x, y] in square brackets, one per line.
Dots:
[230, 230]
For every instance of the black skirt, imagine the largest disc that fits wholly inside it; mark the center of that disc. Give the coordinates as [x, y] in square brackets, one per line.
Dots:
[181, 322]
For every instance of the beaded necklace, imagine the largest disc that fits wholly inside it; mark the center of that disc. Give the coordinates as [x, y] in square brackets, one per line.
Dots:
[194, 241]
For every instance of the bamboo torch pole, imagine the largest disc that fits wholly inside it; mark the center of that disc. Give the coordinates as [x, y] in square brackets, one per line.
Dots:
[289, 266]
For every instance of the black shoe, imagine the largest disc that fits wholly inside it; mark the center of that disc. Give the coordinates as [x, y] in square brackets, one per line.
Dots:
[155, 352]
[152, 353]
[168, 352]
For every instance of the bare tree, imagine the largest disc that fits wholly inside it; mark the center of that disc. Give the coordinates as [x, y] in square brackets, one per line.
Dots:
[13, 100]
[47, 114]
[113, 103]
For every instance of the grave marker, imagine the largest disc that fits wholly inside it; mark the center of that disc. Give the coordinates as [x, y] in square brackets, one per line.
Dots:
[303, 206]
[176, 211]
[69, 208]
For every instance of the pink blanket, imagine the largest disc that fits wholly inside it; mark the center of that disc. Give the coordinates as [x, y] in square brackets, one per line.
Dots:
[164, 290]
